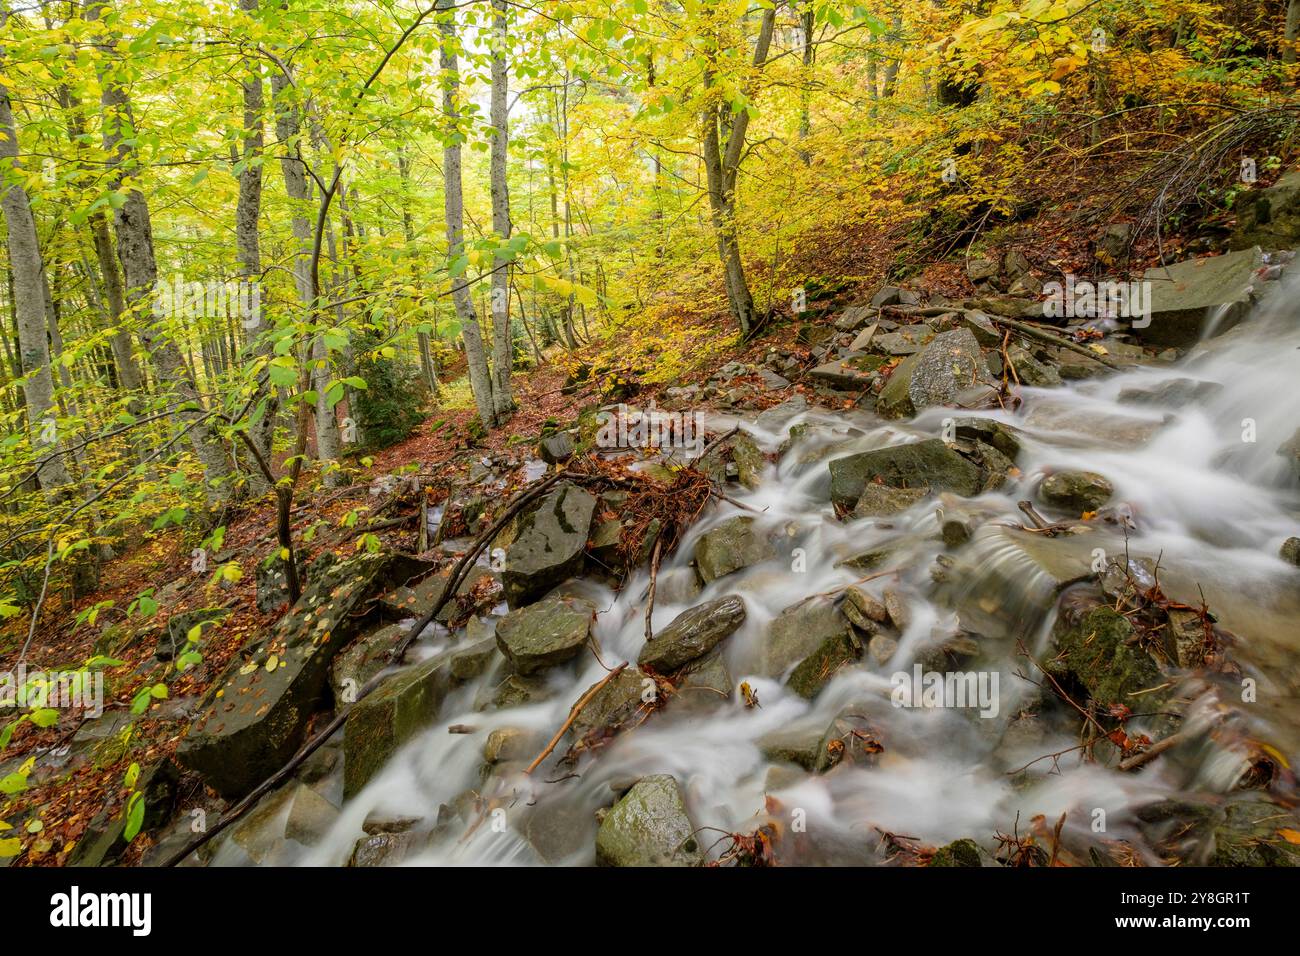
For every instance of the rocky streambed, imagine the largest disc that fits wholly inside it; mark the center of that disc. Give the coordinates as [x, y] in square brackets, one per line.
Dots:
[944, 630]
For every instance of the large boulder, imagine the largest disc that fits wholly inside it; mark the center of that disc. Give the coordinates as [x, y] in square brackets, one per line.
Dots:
[931, 463]
[732, 545]
[388, 717]
[951, 363]
[1189, 297]
[649, 827]
[544, 634]
[692, 634]
[257, 713]
[548, 545]
[1269, 217]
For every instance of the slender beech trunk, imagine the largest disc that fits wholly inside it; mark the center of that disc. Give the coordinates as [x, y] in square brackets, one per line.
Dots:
[248, 249]
[502, 346]
[135, 251]
[480, 378]
[288, 127]
[29, 307]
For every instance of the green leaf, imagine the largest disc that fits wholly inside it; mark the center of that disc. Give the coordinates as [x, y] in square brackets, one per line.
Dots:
[44, 717]
[134, 816]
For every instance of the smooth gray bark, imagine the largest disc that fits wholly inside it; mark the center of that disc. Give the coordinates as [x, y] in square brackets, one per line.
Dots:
[480, 378]
[502, 347]
[29, 305]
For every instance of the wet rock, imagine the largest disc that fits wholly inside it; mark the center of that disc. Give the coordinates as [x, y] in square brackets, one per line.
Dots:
[950, 363]
[1185, 638]
[556, 448]
[1007, 580]
[1290, 552]
[1187, 296]
[310, 816]
[1075, 492]
[882, 648]
[867, 605]
[732, 545]
[820, 667]
[1005, 438]
[620, 704]
[896, 608]
[544, 634]
[388, 717]
[649, 827]
[1096, 650]
[957, 853]
[706, 679]
[260, 707]
[548, 546]
[798, 631]
[560, 830]
[882, 501]
[361, 660]
[507, 744]
[605, 547]
[383, 849]
[1269, 217]
[749, 460]
[516, 691]
[894, 400]
[380, 821]
[1176, 392]
[813, 746]
[260, 833]
[1242, 832]
[1030, 371]
[692, 634]
[473, 660]
[930, 463]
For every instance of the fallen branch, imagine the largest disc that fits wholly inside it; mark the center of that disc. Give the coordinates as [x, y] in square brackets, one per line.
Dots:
[577, 709]
[1051, 338]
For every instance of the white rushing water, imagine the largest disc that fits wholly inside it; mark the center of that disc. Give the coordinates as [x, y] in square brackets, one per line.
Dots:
[1202, 487]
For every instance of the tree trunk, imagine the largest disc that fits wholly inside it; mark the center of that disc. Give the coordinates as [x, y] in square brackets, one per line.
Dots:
[722, 158]
[29, 309]
[248, 249]
[480, 378]
[502, 346]
[427, 367]
[140, 272]
[288, 128]
[1292, 31]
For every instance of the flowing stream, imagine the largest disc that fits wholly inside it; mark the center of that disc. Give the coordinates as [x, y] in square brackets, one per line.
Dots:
[1199, 485]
